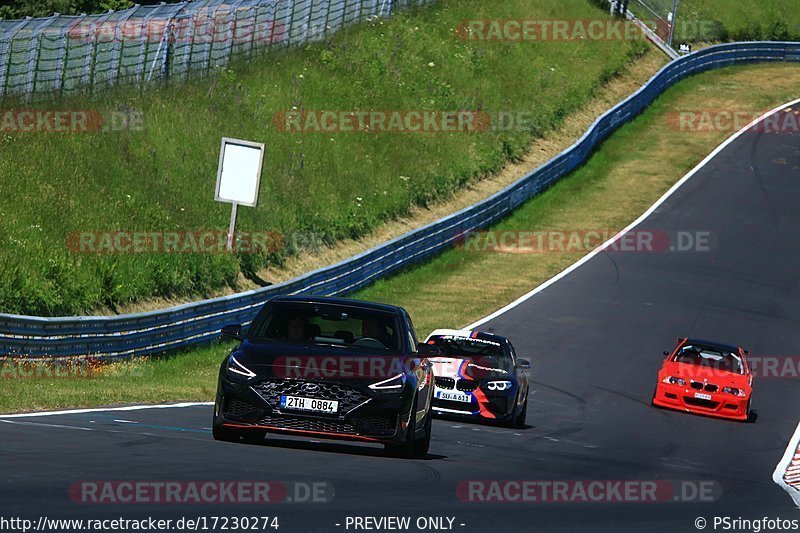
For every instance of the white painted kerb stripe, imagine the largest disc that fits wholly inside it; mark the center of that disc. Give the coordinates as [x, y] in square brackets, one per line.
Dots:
[107, 409]
[635, 223]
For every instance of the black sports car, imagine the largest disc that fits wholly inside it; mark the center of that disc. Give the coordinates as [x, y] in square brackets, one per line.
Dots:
[327, 367]
[478, 375]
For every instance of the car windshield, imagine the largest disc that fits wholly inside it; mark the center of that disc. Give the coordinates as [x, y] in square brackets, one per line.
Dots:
[710, 357]
[481, 352]
[309, 324]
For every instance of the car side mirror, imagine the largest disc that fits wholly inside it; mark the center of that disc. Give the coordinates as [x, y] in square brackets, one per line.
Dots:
[524, 364]
[665, 352]
[233, 331]
[428, 350]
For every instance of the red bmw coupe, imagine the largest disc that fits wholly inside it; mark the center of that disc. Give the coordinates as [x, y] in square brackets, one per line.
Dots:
[706, 378]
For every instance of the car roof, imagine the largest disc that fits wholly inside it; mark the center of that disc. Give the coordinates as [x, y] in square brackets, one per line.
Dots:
[712, 344]
[332, 300]
[474, 334]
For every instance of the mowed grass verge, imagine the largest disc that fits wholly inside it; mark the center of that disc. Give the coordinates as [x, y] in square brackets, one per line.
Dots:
[742, 20]
[458, 287]
[158, 176]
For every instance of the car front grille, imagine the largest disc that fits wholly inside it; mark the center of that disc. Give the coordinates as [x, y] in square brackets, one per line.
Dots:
[466, 386]
[367, 426]
[708, 387]
[348, 397]
[236, 408]
[444, 383]
[375, 425]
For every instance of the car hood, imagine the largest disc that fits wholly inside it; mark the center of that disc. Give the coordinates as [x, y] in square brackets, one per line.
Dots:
[453, 367]
[702, 373]
[277, 360]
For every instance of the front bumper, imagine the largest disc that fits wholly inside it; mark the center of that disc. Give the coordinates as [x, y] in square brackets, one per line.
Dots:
[363, 415]
[683, 398]
[496, 406]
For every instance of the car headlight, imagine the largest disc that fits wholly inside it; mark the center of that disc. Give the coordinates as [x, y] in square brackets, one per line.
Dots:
[393, 383]
[235, 367]
[675, 381]
[733, 390]
[498, 385]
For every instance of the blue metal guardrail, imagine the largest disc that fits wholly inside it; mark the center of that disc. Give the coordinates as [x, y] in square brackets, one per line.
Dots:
[185, 325]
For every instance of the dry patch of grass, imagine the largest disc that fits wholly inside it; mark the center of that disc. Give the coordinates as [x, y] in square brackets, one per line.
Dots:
[629, 172]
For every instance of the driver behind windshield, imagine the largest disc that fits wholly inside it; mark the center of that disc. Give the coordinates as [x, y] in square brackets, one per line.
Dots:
[297, 329]
[721, 361]
[374, 328]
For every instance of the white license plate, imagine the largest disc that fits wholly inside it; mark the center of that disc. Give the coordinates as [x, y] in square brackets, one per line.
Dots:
[702, 396]
[309, 404]
[453, 396]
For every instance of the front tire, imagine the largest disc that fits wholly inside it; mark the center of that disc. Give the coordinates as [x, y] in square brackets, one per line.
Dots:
[406, 449]
[752, 416]
[423, 444]
[517, 417]
[519, 420]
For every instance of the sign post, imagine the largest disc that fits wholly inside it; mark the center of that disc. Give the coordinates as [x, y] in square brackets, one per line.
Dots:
[232, 227]
[238, 177]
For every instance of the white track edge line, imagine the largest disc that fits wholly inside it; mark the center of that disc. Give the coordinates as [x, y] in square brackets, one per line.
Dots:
[632, 225]
[794, 443]
[137, 407]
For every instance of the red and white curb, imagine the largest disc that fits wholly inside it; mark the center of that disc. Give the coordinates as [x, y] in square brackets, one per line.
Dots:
[787, 473]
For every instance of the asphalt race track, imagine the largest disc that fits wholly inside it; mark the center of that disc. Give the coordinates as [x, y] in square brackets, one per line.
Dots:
[595, 338]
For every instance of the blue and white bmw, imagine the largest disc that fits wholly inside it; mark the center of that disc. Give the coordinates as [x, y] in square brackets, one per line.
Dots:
[478, 375]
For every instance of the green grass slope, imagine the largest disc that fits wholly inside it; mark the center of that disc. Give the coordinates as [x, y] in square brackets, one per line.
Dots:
[160, 177]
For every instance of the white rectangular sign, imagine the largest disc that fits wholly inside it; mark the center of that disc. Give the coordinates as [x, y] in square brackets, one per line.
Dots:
[239, 172]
